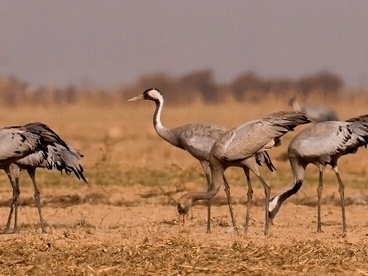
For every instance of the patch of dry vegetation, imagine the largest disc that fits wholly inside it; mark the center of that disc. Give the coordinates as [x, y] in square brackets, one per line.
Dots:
[175, 256]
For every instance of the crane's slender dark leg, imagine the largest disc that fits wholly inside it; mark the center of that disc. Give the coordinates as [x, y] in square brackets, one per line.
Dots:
[207, 171]
[32, 175]
[342, 198]
[229, 202]
[267, 191]
[249, 199]
[319, 193]
[14, 203]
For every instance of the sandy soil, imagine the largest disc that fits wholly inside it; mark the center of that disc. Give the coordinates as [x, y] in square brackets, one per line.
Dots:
[107, 231]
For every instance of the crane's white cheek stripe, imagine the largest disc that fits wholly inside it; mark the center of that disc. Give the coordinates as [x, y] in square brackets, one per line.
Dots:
[273, 203]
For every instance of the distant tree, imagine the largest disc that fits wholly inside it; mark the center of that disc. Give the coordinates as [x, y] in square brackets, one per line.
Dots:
[202, 82]
[246, 83]
[324, 81]
[12, 90]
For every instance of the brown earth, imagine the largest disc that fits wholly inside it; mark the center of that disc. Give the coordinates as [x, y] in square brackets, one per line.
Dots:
[134, 231]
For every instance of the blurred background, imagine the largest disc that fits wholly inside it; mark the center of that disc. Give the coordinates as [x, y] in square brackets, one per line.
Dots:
[210, 51]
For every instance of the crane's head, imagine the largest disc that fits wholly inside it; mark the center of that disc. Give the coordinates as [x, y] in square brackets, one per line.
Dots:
[183, 206]
[152, 94]
[274, 207]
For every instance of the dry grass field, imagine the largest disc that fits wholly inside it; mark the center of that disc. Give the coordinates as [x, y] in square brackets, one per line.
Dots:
[124, 222]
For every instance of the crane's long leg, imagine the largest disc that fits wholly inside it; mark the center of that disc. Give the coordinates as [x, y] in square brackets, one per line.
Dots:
[319, 193]
[229, 202]
[249, 199]
[32, 175]
[207, 171]
[267, 191]
[342, 197]
[14, 203]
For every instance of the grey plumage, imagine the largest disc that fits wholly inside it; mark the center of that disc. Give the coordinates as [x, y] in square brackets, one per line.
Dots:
[238, 147]
[316, 113]
[57, 155]
[17, 142]
[196, 139]
[361, 118]
[322, 144]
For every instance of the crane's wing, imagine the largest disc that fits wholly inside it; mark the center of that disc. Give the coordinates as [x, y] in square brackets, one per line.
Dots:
[361, 118]
[32, 160]
[257, 136]
[46, 132]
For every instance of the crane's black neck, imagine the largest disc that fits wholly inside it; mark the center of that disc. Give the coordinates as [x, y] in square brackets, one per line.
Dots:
[277, 200]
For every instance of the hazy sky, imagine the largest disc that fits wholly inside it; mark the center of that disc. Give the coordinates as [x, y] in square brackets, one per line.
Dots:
[110, 43]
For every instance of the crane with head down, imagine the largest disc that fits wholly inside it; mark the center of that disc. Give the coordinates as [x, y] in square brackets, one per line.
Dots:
[239, 147]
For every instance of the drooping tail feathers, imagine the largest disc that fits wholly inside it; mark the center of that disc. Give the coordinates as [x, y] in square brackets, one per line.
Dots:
[65, 159]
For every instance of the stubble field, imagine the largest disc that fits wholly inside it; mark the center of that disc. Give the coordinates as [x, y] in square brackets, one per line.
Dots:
[124, 221]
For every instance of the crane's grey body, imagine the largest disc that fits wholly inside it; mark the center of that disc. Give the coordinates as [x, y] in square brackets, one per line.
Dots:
[197, 140]
[239, 147]
[321, 144]
[57, 155]
[15, 143]
[317, 113]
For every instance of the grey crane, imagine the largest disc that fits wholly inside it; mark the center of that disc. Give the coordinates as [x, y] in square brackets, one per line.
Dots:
[197, 140]
[238, 147]
[317, 113]
[17, 142]
[322, 144]
[58, 155]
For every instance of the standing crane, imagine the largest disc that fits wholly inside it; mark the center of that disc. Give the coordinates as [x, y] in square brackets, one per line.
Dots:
[197, 140]
[17, 142]
[322, 144]
[59, 156]
[239, 147]
[317, 113]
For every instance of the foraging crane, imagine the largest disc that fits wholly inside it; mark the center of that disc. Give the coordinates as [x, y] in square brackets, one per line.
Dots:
[59, 156]
[197, 140]
[322, 144]
[317, 113]
[238, 147]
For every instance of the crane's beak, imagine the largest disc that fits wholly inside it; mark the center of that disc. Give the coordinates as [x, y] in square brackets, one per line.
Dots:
[182, 219]
[137, 98]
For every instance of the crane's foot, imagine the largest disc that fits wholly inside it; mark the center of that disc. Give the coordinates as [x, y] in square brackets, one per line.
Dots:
[8, 231]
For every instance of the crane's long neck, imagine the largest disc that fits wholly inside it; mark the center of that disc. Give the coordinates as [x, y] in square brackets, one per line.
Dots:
[217, 173]
[277, 200]
[296, 106]
[162, 131]
[186, 201]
